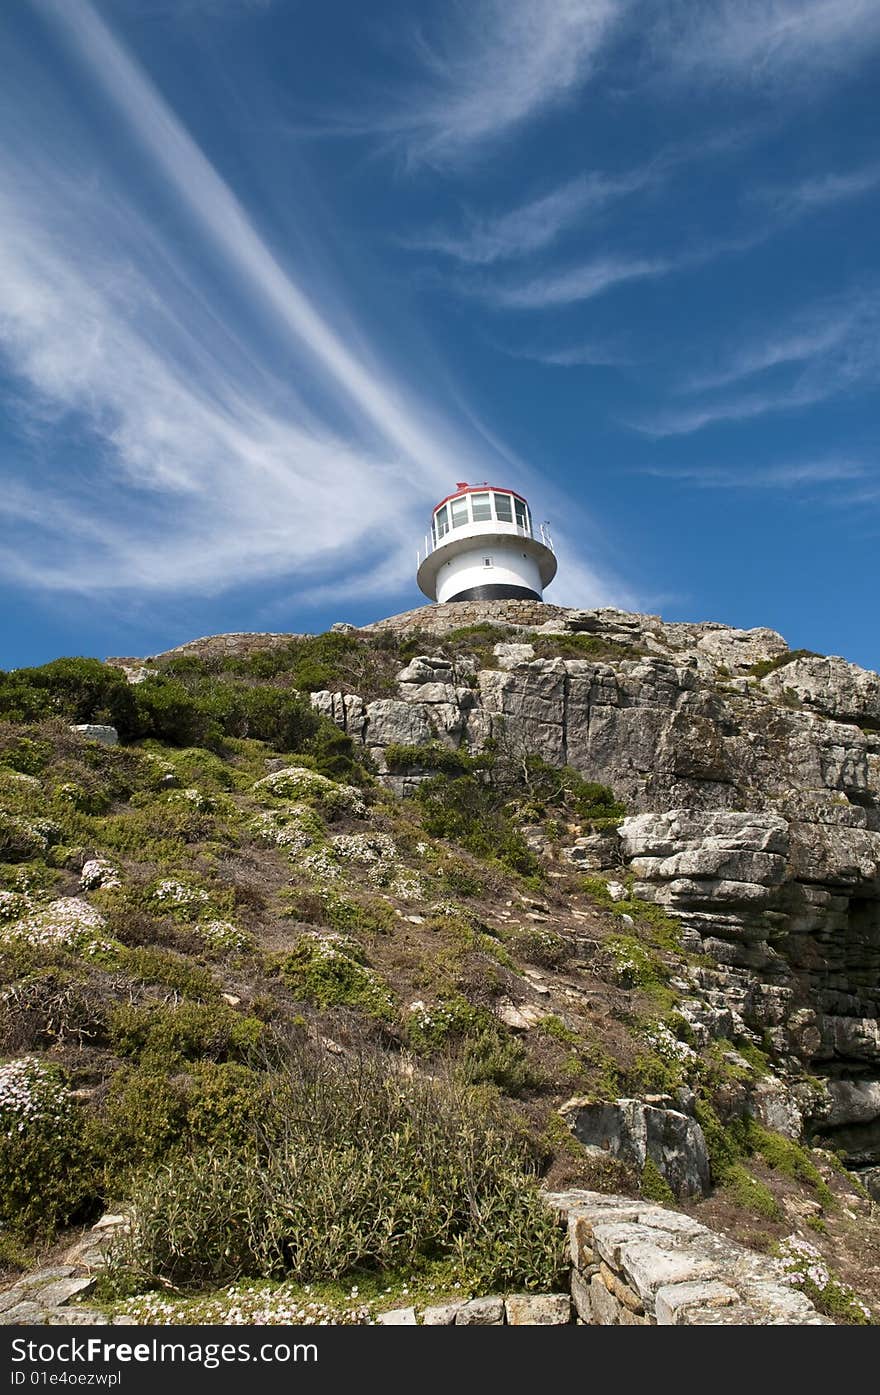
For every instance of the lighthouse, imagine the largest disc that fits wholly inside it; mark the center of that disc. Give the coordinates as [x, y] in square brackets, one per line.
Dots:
[483, 547]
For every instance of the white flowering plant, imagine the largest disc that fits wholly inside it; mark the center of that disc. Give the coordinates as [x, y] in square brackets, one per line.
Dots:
[68, 923]
[298, 783]
[805, 1268]
[45, 1174]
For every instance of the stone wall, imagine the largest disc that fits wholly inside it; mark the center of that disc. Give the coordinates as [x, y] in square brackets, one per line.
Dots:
[636, 1264]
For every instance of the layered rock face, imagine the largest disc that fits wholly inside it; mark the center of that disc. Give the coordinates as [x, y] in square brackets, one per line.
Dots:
[753, 777]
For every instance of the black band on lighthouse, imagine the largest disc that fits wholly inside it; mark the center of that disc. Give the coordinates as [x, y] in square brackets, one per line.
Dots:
[496, 593]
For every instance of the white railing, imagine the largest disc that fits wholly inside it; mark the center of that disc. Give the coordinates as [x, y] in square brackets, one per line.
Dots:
[507, 531]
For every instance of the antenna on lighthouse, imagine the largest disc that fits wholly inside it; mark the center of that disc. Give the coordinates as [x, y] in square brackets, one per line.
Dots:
[482, 547]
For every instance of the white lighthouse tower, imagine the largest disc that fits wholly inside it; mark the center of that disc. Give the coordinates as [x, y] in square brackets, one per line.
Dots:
[482, 547]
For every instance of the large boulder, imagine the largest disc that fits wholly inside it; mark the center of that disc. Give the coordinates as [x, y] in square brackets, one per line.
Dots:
[638, 1133]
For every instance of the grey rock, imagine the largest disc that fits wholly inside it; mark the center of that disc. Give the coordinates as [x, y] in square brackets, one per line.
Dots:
[107, 736]
[657, 1265]
[481, 1312]
[538, 1309]
[441, 1315]
[21, 1313]
[674, 1302]
[398, 1317]
[580, 1296]
[59, 1293]
[635, 1132]
[604, 1307]
[510, 656]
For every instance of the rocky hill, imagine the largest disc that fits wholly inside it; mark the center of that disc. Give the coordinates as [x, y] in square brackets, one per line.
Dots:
[606, 888]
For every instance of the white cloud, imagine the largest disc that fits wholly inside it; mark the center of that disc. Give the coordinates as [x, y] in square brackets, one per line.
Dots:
[827, 351]
[160, 451]
[584, 355]
[757, 41]
[807, 339]
[820, 191]
[577, 283]
[784, 476]
[499, 63]
[535, 224]
[540, 221]
[684, 421]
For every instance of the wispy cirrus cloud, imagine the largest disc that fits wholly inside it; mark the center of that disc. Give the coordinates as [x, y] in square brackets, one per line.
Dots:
[200, 469]
[536, 224]
[808, 337]
[495, 65]
[581, 355]
[828, 189]
[790, 475]
[578, 283]
[824, 352]
[160, 450]
[540, 221]
[757, 41]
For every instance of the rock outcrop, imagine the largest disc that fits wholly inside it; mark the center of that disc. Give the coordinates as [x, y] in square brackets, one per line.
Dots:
[753, 778]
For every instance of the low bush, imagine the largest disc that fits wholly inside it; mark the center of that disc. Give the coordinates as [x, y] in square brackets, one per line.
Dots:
[79, 690]
[351, 1166]
[329, 973]
[495, 1057]
[151, 1115]
[469, 812]
[189, 1031]
[47, 1176]
[431, 756]
[766, 666]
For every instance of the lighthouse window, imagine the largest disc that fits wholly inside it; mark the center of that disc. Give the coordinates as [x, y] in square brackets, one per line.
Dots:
[522, 514]
[482, 508]
[487, 561]
[441, 522]
[459, 510]
[503, 509]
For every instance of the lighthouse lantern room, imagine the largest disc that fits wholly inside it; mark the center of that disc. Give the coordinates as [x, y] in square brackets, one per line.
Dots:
[482, 547]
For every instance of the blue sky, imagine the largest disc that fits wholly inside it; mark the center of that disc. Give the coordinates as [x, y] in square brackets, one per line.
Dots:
[274, 275]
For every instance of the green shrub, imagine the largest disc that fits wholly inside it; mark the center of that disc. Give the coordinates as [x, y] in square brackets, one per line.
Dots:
[495, 1057]
[469, 812]
[147, 964]
[328, 973]
[789, 1158]
[150, 1115]
[188, 1031]
[765, 666]
[79, 690]
[167, 711]
[430, 1026]
[351, 1166]
[46, 1171]
[27, 754]
[746, 1191]
[431, 756]
[654, 1186]
[20, 840]
[374, 917]
[335, 754]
